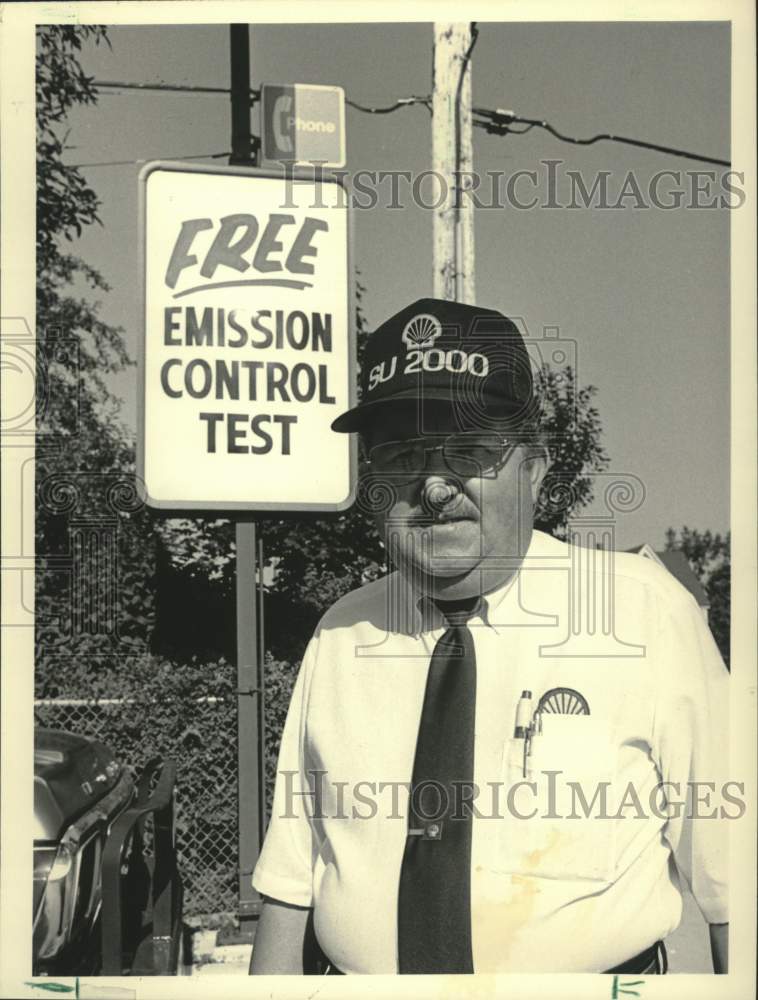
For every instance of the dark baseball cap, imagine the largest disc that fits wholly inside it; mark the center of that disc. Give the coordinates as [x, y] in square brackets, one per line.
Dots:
[435, 351]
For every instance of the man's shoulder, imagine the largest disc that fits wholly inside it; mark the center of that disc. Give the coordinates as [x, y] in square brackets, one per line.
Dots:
[365, 604]
[631, 572]
[641, 571]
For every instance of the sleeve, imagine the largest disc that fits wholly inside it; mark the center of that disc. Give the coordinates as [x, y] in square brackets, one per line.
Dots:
[284, 869]
[691, 747]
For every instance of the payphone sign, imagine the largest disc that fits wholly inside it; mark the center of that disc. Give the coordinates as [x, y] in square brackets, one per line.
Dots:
[304, 124]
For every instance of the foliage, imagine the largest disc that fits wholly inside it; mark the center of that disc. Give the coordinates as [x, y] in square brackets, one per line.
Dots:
[78, 406]
[709, 556]
[85, 459]
[97, 547]
[571, 427]
[705, 552]
[65, 203]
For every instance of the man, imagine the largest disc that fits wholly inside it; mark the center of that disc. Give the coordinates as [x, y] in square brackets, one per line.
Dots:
[471, 772]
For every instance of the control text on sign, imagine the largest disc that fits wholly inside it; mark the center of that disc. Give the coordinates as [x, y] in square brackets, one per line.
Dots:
[252, 380]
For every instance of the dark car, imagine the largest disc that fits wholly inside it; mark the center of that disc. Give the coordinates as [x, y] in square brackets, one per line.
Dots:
[107, 892]
[80, 790]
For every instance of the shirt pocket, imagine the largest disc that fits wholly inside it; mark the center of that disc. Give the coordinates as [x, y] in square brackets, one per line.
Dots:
[558, 816]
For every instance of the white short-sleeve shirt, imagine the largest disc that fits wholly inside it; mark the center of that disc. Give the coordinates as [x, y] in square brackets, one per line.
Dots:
[574, 867]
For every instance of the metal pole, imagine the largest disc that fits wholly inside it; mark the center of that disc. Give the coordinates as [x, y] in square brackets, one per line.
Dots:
[239, 47]
[249, 722]
[453, 230]
[262, 691]
[249, 788]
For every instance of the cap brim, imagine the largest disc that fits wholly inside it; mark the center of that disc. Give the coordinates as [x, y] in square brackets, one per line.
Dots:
[365, 413]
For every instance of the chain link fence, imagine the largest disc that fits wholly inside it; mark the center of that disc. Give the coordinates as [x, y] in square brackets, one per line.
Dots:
[206, 796]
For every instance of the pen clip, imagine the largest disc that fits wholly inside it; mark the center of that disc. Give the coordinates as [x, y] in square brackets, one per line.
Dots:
[533, 729]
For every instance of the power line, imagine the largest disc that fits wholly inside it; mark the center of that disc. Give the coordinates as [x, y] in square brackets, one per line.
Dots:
[458, 91]
[402, 102]
[494, 121]
[124, 163]
[255, 94]
[498, 122]
[170, 87]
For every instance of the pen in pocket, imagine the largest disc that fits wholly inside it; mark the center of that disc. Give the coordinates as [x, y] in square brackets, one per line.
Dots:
[522, 730]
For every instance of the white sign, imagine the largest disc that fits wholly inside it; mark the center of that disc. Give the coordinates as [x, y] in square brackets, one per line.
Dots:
[248, 353]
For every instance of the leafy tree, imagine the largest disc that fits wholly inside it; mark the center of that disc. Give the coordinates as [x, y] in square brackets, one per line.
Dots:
[705, 551]
[709, 556]
[79, 406]
[96, 542]
[572, 429]
[85, 457]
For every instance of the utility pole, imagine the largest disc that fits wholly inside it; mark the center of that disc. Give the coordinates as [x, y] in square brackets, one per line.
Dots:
[452, 158]
[250, 742]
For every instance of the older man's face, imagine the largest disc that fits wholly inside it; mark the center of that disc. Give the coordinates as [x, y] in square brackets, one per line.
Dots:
[464, 532]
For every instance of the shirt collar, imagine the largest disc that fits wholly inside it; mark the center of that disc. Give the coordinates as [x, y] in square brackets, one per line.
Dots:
[422, 615]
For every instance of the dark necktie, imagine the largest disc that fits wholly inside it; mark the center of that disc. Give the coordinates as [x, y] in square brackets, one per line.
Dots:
[434, 904]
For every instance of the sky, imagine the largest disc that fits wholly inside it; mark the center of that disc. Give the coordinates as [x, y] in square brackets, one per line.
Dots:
[640, 295]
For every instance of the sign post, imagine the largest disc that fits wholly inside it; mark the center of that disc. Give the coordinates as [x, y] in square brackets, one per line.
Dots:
[251, 688]
[247, 357]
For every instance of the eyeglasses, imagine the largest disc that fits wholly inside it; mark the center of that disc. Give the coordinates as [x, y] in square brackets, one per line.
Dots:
[465, 455]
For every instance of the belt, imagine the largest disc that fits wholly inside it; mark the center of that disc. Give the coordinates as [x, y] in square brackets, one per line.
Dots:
[651, 961]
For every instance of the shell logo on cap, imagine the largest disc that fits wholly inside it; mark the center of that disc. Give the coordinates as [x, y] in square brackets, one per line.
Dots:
[421, 331]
